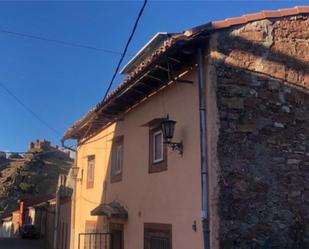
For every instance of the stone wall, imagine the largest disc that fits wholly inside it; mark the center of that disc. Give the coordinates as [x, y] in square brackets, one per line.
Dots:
[262, 79]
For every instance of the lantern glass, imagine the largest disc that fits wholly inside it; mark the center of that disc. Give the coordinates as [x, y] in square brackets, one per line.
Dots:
[75, 171]
[168, 127]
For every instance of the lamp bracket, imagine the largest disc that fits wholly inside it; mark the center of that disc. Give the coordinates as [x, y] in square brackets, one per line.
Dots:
[77, 179]
[176, 146]
[75, 174]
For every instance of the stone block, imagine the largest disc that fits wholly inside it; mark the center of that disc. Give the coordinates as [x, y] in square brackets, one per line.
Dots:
[293, 161]
[233, 103]
[246, 128]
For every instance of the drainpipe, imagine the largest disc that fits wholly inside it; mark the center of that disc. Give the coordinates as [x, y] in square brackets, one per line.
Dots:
[203, 147]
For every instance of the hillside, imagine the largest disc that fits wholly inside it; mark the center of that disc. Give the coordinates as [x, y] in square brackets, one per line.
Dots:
[35, 174]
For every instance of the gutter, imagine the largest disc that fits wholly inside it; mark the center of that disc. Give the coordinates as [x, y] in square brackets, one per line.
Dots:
[203, 147]
[66, 147]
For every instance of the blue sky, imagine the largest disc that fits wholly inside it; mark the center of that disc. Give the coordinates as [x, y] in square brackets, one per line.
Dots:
[60, 83]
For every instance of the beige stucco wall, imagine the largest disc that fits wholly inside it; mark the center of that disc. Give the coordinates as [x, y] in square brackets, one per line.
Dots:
[172, 196]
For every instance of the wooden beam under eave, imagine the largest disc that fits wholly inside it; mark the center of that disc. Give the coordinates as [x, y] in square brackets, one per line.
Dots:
[162, 68]
[174, 59]
[154, 77]
[147, 86]
[114, 109]
[136, 90]
[123, 101]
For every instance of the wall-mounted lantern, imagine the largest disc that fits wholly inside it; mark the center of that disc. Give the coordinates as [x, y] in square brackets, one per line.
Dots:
[168, 128]
[74, 173]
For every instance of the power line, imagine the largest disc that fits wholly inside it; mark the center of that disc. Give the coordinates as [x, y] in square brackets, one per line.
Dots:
[36, 154]
[126, 48]
[40, 152]
[72, 44]
[122, 57]
[28, 109]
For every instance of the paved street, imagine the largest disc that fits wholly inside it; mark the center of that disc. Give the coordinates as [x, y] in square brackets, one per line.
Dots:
[13, 243]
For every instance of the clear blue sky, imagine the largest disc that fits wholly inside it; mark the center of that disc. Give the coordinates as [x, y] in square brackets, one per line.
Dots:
[61, 83]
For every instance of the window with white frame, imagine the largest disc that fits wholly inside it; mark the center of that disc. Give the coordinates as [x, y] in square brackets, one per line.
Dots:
[157, 146]
[157, 151]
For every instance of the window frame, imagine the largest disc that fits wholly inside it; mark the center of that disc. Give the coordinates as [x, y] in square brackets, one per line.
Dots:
[154, 160]
[158, 230]
[90, 182]
[116, 176]
[158, 165]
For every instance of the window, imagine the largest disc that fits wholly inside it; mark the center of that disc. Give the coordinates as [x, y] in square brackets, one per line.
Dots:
[157, 236]
[117, 159]
[90, 171]
[157, 146]
[157, 151]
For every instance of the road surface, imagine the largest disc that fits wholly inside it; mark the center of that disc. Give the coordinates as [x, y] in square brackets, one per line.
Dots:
[16, 243]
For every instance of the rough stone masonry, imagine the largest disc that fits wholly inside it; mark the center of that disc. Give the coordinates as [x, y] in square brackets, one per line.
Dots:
[262, 77]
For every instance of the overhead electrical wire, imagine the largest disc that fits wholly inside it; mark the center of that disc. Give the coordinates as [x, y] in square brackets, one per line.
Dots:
[125, 49]
[72, 44]
[36, 154]
[122, 56]
[75, 45]
[28, 109]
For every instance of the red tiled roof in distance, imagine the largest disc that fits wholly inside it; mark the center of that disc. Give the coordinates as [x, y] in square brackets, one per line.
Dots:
[190, 33]
[31, 201]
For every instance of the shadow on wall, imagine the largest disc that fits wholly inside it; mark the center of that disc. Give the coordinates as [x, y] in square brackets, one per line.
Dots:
[106, 223]
[263, 149]
[97, 227]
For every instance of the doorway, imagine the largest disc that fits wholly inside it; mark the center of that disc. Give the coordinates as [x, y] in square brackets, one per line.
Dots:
[117, 240]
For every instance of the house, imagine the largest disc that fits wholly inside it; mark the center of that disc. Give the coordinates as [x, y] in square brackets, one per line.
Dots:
[41, 212]
[15, 223]
[204, 144]
[9, 226]
[6, 227]
[30, 208]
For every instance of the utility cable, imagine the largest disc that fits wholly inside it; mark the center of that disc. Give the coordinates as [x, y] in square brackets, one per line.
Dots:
[28, 109]
[122, 57]
[40, 152]
[35, 154]
[126, 48]
[72, 44]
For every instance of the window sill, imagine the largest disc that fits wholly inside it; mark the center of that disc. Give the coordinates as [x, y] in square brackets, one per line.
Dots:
[89, 185]
[116, 178]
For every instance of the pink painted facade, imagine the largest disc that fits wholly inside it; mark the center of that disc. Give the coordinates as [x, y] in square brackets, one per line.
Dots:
[167, 197]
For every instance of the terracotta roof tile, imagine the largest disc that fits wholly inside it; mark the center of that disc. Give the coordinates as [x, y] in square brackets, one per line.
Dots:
[252, 17]
[217, 25]
[235, 20]
[302, 9]
[220, 24]
[271, 14]
[288, 12]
